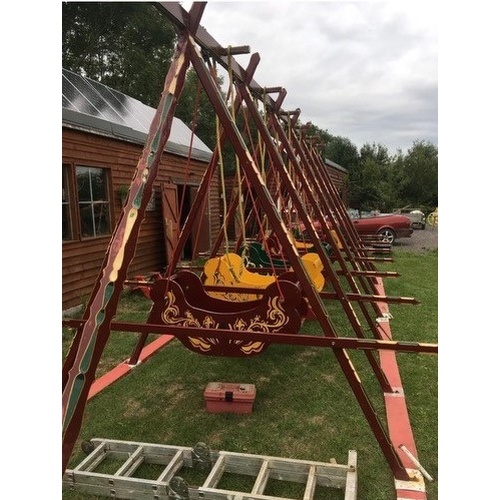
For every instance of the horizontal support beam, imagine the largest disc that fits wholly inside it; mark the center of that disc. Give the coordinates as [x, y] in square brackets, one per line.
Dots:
[226, 51]
[360, 297]
[181, 19]
[271, 338]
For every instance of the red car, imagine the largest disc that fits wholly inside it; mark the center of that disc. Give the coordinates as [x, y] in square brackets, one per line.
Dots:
[387, 227]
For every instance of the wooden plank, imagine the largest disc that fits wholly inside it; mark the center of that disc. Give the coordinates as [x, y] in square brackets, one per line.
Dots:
[94, 459]
[214, 493]
[398, 420]
[118, 486]
[171, 469]
[216, 472]
[311, 484]
[131, 465]
[124, 368]
[261, 481]
[351, 483]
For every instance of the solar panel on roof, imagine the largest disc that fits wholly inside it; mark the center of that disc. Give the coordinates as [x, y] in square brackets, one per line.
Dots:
[126, 107]
[92, 98]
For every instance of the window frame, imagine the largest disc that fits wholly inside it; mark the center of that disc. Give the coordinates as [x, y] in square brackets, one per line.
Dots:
[74, 204]
[68, 202]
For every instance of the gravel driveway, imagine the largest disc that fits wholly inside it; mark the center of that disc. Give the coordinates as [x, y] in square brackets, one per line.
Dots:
[420, 241]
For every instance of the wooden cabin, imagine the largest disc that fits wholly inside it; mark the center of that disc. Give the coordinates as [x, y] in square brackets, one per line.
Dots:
[103, 136]
[339, 177]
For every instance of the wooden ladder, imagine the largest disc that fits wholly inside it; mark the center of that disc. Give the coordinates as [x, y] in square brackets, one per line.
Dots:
[112, 466]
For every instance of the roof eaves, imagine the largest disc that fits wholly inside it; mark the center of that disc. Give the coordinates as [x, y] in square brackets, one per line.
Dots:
[331, 163]
[88, 123]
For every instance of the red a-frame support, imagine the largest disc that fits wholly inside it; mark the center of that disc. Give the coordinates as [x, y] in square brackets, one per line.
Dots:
[363, 280]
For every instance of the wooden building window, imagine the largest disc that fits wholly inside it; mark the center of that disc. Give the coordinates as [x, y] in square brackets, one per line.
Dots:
[86, 210]
[67, 225]
[93, 201]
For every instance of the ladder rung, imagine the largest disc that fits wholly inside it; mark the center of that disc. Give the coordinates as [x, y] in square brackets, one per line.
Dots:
[216, 473]
[93, 460]
[225, 494]
[311, 484]
[261, 480]
[131, 464]
[261, 468]
[173, 466]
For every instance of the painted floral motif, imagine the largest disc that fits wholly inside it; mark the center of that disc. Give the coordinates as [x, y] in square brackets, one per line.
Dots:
[275, 318]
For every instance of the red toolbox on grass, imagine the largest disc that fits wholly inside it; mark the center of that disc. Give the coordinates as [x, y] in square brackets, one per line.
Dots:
[223, 397]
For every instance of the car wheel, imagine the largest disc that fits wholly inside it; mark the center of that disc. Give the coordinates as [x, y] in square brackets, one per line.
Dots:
[387, 235]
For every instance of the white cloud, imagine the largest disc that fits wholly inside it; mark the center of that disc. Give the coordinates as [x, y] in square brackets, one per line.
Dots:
[365, 70]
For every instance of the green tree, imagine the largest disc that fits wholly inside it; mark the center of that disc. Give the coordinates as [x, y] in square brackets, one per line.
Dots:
[420, 186]
[382, 182]
[397, 179]
[195, 110]
[375, 152]
[125, 45]
[369, 179]
[342, 151]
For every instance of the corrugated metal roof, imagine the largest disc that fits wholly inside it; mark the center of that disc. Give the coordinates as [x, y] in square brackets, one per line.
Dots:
[331, 163]
[92, 106]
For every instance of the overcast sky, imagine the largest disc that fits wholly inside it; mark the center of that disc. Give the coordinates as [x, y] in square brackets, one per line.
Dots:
[365, 70]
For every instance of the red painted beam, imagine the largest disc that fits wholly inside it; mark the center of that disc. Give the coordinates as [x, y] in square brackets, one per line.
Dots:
[119, 371]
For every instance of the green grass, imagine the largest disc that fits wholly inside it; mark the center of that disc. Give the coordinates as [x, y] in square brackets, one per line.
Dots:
[304, 407]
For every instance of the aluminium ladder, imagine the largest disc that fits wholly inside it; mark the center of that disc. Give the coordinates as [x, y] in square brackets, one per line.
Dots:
[118, 479]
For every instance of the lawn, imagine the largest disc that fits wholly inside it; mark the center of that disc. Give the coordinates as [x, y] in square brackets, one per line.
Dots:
[304, 407]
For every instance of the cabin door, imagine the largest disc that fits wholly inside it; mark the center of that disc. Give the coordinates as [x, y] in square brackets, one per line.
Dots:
[199, 241]
[170, 210]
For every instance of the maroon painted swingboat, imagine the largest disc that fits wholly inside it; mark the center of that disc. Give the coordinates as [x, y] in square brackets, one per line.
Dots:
[182, 308]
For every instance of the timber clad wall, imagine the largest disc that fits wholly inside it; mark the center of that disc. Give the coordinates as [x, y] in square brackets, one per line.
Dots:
[339, 179]
[82, 259]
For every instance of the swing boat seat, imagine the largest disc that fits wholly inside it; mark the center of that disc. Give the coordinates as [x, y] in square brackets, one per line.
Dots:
[336, 239]
[256, 256]
[182, 300]
[314, 268]
[302, 247]
[229, 271]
